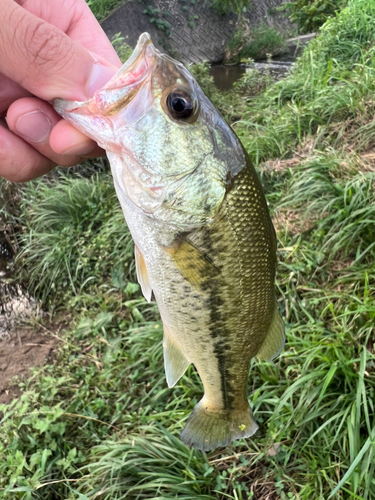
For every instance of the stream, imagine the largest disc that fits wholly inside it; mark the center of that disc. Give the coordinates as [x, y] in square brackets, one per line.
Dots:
[226, 75]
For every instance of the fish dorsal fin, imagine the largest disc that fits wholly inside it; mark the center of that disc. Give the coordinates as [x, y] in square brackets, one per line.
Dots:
[175, 361]
[193, 263]
[274, 342]
[142, 274]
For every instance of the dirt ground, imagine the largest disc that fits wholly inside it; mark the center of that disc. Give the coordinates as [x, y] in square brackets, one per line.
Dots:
[23, 349]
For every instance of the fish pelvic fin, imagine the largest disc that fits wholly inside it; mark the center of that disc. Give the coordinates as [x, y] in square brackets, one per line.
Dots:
[142, 274]
[274, 342]
[207, 429]
[175, 361]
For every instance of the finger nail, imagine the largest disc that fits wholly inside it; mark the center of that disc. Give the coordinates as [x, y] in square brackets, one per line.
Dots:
[34, 126]
[80, 149]
[100, 75]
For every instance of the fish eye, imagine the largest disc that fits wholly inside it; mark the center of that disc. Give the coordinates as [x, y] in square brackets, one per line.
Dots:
[180, 104]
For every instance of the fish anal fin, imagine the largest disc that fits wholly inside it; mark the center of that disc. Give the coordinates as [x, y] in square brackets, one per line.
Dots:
[193, 263]
[142, 274]
[175, 361]
[274, 342]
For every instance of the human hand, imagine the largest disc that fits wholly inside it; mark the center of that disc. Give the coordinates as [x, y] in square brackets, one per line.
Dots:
[44, 56]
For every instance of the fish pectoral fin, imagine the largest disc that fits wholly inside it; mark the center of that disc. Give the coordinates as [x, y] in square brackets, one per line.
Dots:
[175, 361]
[142, 274]
[193, 263]
[274, 342]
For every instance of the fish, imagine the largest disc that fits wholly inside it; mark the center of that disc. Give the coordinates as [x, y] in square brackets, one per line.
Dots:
[205, 246]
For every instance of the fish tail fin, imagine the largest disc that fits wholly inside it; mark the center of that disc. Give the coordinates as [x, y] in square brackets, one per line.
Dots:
[207, 429]
[274, 342]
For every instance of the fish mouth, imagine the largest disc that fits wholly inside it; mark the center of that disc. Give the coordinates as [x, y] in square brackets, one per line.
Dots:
[122, 87]
[138, 53]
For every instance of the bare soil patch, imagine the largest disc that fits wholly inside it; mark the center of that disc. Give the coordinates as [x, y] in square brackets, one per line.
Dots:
[23, 349]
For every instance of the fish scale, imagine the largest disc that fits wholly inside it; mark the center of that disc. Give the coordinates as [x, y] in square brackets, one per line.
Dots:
[205, 246]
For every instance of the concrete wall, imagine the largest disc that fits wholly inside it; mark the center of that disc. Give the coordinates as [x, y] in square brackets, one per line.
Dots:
[191, 40]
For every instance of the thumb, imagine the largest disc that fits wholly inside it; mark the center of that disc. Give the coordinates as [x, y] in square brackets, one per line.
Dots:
[45, 61]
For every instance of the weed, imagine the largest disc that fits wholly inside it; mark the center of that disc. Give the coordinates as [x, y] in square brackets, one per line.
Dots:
[156, 16]
[223, 7]
[101, 8]
[310, 15]
[254, 43]
[73, 236]
[123, 50]
[10, 199]
[253, 82]
[328, 95]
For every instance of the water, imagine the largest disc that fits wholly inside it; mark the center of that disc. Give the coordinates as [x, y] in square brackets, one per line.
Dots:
[278, 66]
[226, 75]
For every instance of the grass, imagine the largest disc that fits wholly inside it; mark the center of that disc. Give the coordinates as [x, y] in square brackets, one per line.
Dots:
[223, 7]
[101, 423]
[255, 43]
[328, 96]
[73, 237]
[309, 15]
[101, 8]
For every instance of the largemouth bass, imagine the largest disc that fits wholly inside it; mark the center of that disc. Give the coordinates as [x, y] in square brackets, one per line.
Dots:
[205, 246]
